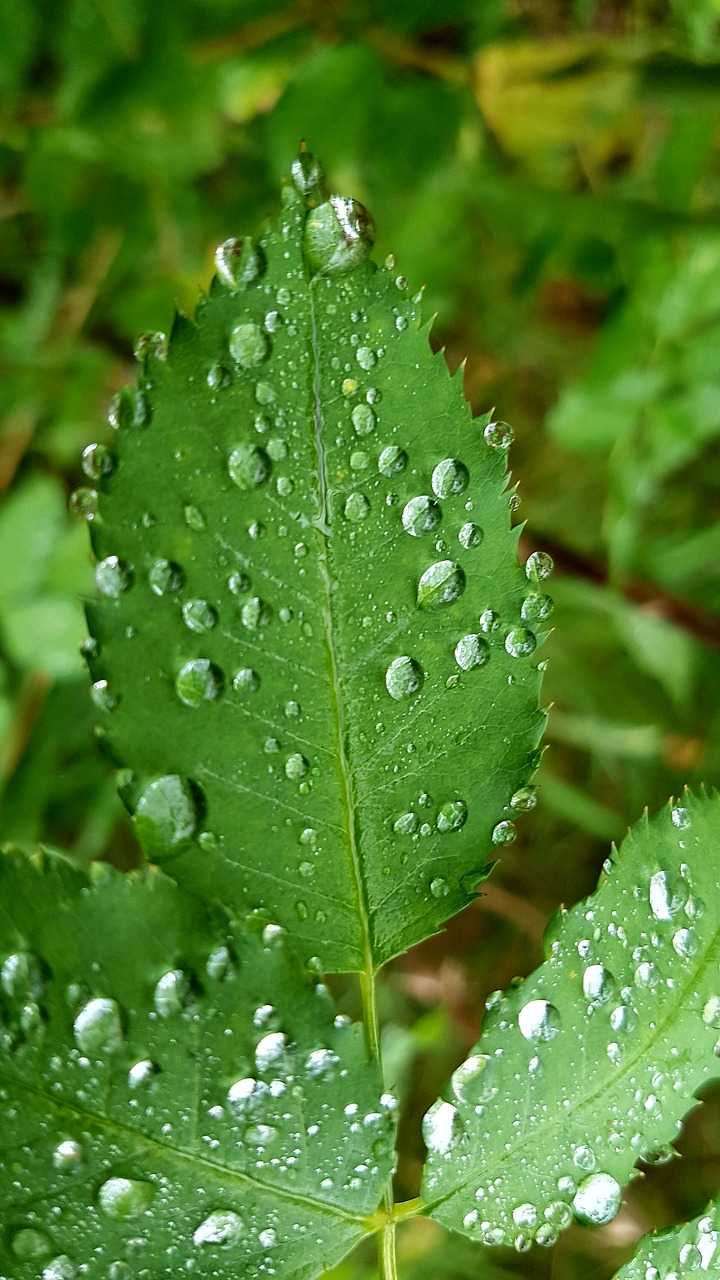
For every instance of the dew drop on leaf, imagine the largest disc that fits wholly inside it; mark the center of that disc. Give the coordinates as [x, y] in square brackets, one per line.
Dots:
[539, 1020]
[392, 461]
[60, 1268]
[112, 577]
[255, 613]
[356, 507]
[363, 419]
[449, 478]
[499, 435]
[442, 1128]
[166, 815]
[21, 976]
[197, 682]
[239, 262]
[404, 677]
[97, 1028]
[536, 608]
[471, 651]
[97, 461]
[83, 503]
[538, 566]
[520, 642]
[296, 767]
[452, 815]
[599, 985]
[28, 1244]
[321, 1064]
[668, 895]
[406, 824]
[597, 1199]
[122, 1198]
[128, 408]
[68, 1156]
[339, 235]
[249, 345]
[223, 1227]
[441, 584]
[170, 994]
[249, 466]
[154, 344]
[470, 535]
[165, 577]
[421, 515]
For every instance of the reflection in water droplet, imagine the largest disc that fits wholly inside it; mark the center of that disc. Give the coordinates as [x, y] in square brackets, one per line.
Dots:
[536, 608]
[599, 985]
[112, 577]
[421, 515]
[249, 345]
[197, 682]
[584, 1158]
[61, 1268]
[239, 262]
[470, 535]
[520, 642]
[489, 621]
[356, 507]
[452, 815]
[392, 461]
[193, 517]
[166, 816]
[503, 833]
[668, 895]
[97, 1028]
[151, 344]
[83, 503]
[442, 583]
[68, 1156]
[538, 566]
[476, 1080]
[680, 817]
[524, 799]
[366, 358]
[406, 824]
[539, 1020]
[338, 236]
[199, 616]
[128, 408]
[499, 435]
[21, 976]
[141, 1073]
[322, 1064]
[97, 461]
[122, 1198]
[404, 677]
[165, 577]
[256, 613]
[597, 1199]
[471, 651]
[442, 1128]
[450, 477]
[307, 173]
[439, 888]
[246, 680]
[249, 466]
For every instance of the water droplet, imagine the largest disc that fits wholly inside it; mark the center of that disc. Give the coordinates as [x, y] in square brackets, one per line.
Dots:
[170, 994]
[404, 677]
[255, 613]
[499, 435]
[68, 1156]
[223, 1227]
[198, 681]
[356, 507]
[538, 566]
[363, 419]
[103, 696]
[249, 345]
[193, 517]
[392, 461]
[668, 895]
[476, 1080]
[285, 486]
[536, 608]
[489, 621]
[296, 767]
[307, 173]
[97, 461]
[406, 824]
[366, 358]
[249, 466]
[322, 1064]
[122, 1198]
[584, 1158]
[199, 616]
[98, 1028]
[153, 344]
[470, 535]
[442, 583]
[439, 888]
[503, 833]
[421, 515]
[450, 477]
[680, 817]
[218, 377]
[166, 816]
[239, 262]
[21, 976]
[539, 1020]
[246, 680]
[442, 1128]
[452, 815]
[141, 1073]
[520, 642]
[271, 1052]
[292, 709]
[338, 236]
[128, 408]
[471, 651]
[597, 1199]
[112, 577]
[29, 1244]
[686, 943]
[599, 985]
[524, 799]
[165, 577]
[239, 583]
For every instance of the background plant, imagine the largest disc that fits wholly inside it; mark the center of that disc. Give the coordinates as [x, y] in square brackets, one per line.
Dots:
[559, 200]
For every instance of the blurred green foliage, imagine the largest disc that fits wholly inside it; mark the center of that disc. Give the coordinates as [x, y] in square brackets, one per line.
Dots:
[550, 170]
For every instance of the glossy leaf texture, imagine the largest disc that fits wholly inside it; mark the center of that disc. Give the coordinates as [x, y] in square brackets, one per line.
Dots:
[313, 639]
[592, 1061]
[679, 1253]
[175, 1095]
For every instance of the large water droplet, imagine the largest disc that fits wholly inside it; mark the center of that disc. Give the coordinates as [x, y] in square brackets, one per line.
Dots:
[296, 767]
[470, 535]
[503, 833]
[322, 1064]
[536, 608]
[524, 799]
[599, 985]
[21, 976]
[450, 477]
[199, 616]
[363, 419]
[246, 680]
[338, 236]
[97, 461]
[442, 1128]
[171, 993]
[421, 515]
[249, 345]
[392, 461]
[128, 408]
[597, 1199]
[166, 816]
[61, 1268]
[356, 507]
[198, 681]
[223, 1227]
[68, 1156]
[452, 815]
[112, 577]
[404, 677]
[256, 613]
[476, 1080]
[122, 1198]
[165, 577]
[499, 435]
[249, 466]
[239, 262]
[442, 583]
[406, 824]
[471, 651]
[668, 895]
[520, 642]
[539, 1020]
[98, 1028]
[538, 566]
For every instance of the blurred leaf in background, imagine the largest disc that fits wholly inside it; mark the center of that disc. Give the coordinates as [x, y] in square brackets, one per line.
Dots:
[550, 171]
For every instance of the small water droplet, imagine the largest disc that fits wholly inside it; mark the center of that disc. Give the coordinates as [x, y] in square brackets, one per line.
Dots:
[489, 621]
[392, 461]
[450, 477]
[356, 507]
[249, 466]
[499, 435]
[470, 535]
[141, 1073]
[680, 817]
[366, 358]
[285, 486]
[439, 888]
[193, 517]
[442, 583]
[668, 895]
[104, 698]
[239, 262]
[166, 816]
[256, 613]
[406, 824]
[21, 976]
[151, 344]
[322, 1064]
[198, 681]
[165, 577]
[597, 1199]
[404, 677]
[307, 173]
[97, 461]
[98, 1028]
[421, 515]
[599, 985]
[471, 651]
[122, 1198]
[539, 1020]
[452, 815]
[199, 616]
[520, 642]
[112, 577]
[246, 680]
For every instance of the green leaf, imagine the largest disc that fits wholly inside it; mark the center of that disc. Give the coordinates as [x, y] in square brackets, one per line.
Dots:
[179, 1089]
[310, 628]
[678, 1252]
[592, 1061]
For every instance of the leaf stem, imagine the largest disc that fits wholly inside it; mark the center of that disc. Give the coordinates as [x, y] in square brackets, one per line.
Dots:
[386, 1252]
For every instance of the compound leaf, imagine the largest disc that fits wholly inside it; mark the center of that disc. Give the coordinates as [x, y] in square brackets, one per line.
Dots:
[313, 638]
[175, 1094]
[678, 1253]
[593, 1060]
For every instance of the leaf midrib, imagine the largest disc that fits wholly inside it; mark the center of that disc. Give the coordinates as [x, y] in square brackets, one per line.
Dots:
[712, 956]
[194, 1159]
